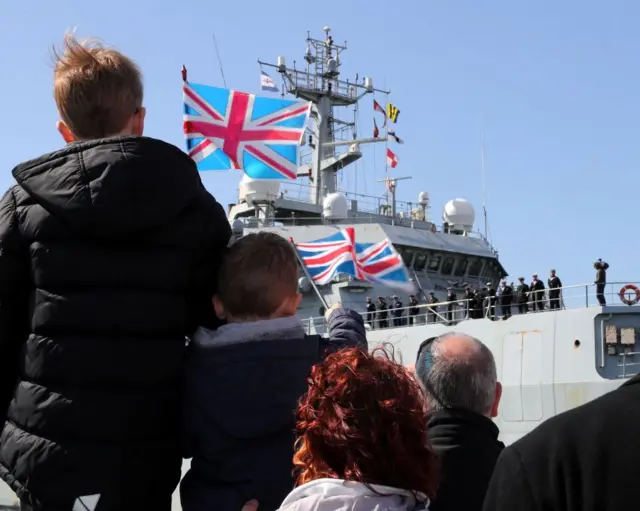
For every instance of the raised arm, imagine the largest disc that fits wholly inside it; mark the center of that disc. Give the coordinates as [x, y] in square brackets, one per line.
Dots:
[346, 328]
[15, 288]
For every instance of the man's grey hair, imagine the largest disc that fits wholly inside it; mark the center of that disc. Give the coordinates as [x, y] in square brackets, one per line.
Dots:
[464, 379]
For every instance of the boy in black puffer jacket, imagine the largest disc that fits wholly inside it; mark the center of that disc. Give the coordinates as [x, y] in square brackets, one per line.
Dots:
[109, 250]
[244, 380]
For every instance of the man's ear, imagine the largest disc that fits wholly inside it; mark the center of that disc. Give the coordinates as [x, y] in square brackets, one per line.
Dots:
[496, 402]
[65, 132]
[219, 308]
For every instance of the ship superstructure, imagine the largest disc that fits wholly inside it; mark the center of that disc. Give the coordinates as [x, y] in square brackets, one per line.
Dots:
[438, 257]
[548, 361]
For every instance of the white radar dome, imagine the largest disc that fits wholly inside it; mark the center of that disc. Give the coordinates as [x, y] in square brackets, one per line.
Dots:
[459, 214]
[335, 206]
[237, 227]
[423, 198]
[258, 190]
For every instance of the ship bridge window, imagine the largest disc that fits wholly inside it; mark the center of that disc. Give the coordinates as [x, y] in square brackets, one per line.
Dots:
[461, 267]
[475, 268]
[406, 254]
[420, 261]
[447, 266]
[434, 263]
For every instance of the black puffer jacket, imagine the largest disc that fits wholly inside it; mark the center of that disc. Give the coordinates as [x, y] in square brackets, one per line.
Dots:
[108, 251]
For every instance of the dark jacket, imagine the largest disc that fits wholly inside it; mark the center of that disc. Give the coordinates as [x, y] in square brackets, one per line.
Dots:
[108, 251]
[506, 296]
[522, 293]
[468, 447]
[580, 460]
[243, 383]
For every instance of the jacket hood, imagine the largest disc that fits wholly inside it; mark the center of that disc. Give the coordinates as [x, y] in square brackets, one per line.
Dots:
[114, 186]
[248, 370]
[339, 495]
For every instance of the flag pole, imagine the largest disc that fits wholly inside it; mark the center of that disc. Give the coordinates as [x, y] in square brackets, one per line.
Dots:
[306, 272]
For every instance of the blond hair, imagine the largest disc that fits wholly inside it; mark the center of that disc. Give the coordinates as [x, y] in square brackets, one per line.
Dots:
[96, 89]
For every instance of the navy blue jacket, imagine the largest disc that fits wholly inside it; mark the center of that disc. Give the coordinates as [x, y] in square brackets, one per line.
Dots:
[242, 389]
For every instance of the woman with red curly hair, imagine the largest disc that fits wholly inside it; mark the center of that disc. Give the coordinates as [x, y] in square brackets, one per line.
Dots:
[362, 438]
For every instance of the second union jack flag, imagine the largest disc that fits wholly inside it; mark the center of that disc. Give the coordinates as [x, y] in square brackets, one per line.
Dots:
[227, 129]
[339, 253]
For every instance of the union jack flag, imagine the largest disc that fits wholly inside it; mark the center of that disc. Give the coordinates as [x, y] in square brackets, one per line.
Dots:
[339, 253]
[227, 129]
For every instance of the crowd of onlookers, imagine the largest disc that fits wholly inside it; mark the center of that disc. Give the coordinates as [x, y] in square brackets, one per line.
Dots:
[133, 335]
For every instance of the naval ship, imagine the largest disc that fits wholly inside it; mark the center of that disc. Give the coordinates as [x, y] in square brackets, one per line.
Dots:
[548, 361]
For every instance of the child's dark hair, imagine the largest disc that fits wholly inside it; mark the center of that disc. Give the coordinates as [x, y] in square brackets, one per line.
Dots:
[258, 273]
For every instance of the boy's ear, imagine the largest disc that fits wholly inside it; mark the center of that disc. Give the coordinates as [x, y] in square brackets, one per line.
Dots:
[65, 132]
[297, 300]
[219, 308]
[137, 128]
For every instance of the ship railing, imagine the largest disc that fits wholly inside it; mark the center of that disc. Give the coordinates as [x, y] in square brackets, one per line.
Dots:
[629, 364]
[365, 203]
[262, 222]
[452, 312]
[312, 81]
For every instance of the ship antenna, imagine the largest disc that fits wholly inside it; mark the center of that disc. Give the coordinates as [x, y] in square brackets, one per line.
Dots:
[484, 188]
[215, 44]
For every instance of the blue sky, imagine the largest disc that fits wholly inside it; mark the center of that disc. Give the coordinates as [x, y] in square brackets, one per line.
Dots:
[555, 84]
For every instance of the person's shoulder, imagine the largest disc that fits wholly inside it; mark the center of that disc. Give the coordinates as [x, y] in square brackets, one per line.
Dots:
[589, 423]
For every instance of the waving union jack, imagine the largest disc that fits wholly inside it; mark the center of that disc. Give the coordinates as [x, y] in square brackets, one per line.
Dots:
[227, 129]
[339, 253]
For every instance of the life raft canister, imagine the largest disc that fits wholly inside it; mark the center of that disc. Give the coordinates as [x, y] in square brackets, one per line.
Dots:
[625, 290]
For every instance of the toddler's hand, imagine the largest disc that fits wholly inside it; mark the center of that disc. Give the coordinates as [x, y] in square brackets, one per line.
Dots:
[252, 505]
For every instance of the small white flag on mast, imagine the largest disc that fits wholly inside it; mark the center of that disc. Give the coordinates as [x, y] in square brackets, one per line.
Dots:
[267, 83]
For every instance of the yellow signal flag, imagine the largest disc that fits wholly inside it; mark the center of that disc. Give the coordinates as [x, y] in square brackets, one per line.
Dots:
[393, 112]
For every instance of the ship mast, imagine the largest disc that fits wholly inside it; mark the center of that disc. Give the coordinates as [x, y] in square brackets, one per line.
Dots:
[320, 83]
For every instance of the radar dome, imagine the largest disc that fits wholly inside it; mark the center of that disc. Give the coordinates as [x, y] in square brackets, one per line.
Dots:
[423, 198]
[304, 285]
[335, 206]
[258, 190]
[237, 227]
[459, 214]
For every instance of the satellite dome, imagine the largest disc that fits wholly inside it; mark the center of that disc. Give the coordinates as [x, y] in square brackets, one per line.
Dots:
[304, 285]
[237, 227]
[258, 190]
[459, 215]
[335, 206]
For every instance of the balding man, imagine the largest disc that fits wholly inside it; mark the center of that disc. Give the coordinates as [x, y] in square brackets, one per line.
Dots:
[458, 374]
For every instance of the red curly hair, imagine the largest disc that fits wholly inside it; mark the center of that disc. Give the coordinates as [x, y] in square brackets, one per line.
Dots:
[363, 419]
